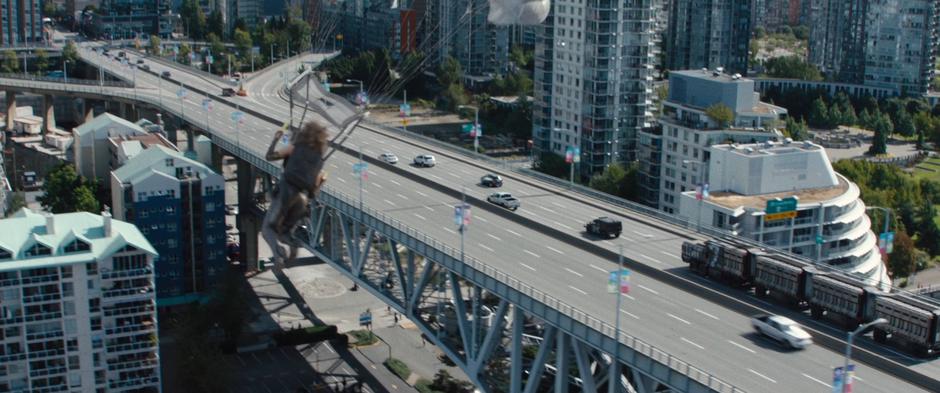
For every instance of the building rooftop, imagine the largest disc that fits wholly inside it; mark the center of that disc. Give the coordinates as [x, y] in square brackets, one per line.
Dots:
[103, 120]
[101, 234]
[733, 200]
[713, 75]
[152, 161]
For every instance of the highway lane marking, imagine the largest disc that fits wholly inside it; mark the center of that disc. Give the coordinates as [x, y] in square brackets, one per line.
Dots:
[559, 205]
[333, 166]
[553, 249]
[670, 255]
[642, 234]
[609, 243]
[650, 258]
[394, 182]
[341, 180]
[450, 230]
[634, 316]
[389, 202]
[482, 219]
[527, 266]
[679, 319]
[377, 185]
[648, 289]
[762, 375]
[513, 232]
[574, 272]
[429, 208]
[436, 177]
[598, 269]
[545, 208]
[465, 171]
[741, 346]
[421, 193]
[820, 382]
[629, 297]
[402, 196]
[453, 174]
[561, 225]
[493, 236]
[576, 289]
[419, 216]
[364, 190]
[531, 253]
[856, 377]
[483, 246]
[692, 343]
[707, 314]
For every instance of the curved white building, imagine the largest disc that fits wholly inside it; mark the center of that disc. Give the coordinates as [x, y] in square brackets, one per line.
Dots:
[829, 224]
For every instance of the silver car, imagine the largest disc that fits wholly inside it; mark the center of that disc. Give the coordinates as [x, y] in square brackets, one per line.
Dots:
[783, 330]
[389, 158]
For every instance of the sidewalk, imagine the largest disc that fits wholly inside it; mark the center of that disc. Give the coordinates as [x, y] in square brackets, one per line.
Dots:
[406, 345]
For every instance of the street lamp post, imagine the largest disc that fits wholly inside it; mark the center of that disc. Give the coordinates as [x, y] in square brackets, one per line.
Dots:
[65, 70]
[848, 350]
[476, 126]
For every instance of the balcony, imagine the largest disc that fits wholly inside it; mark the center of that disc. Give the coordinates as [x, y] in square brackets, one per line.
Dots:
[47, 371]
[44, 335]
[134, 273]
[49, 297]
[110, 293]
[143, 381]
[43, 316]
[9, 282]
[13, 357]
[119, 311]
[132, 364]
[46, 353]
[142, 327]
[40, 279]
[138, 346]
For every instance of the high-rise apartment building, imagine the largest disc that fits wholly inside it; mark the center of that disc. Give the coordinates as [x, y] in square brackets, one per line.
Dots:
[889, 43]
[376, 25]
[674, 155]
[20, 22]
[246, 10]
[709, 34]
[179, 205]
[593, 80]
[76, 305]
[125, 19]
[459, 29]
[829, 225]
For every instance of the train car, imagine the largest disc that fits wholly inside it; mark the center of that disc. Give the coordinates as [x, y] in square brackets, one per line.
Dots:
[843, 301]
[696, 255]
[912, 323]
[780, 279]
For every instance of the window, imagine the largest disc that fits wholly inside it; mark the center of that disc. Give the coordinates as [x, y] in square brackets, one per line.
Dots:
[37, 250]
[96, 323]
[91, 284]
[91, 268]
[94, 305]
[68, 308]
[4, 254]
[66, 271]
[76, 246]
[168, 162]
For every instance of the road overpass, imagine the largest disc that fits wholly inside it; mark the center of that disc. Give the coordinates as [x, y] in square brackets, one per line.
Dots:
[536, 256]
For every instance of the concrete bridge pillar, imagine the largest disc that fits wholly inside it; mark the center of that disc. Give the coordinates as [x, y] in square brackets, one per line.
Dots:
[48, 113]
[11, 110]
[190, 139]
[248, 224]
[89, 107]
[217, 155]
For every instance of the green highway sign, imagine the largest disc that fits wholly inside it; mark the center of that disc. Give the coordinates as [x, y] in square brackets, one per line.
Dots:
[781, 205]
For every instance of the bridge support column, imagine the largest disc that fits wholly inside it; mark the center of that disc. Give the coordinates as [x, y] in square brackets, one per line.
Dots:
[48, 113]
[11, 110]
[248, 223]
[217, 155]
[190, 139]
[89, 107]
[562, 362]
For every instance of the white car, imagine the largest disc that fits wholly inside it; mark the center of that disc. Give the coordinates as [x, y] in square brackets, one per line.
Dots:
[231, 210]
[425, 160]
[389, 158]
[503, 199]
[783, 330]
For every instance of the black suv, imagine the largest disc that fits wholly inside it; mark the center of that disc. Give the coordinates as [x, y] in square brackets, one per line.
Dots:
[165, 74]
[491, 180]
[604, 226]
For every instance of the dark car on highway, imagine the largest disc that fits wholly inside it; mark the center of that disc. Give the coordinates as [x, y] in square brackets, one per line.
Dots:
[491, 180]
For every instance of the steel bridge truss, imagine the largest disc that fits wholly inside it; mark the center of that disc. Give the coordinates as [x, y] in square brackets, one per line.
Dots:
[504, 338]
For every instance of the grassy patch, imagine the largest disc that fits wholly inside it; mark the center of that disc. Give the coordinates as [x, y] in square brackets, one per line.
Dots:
[398, 367]
[931, 163]
[363, 337]
[424, 386]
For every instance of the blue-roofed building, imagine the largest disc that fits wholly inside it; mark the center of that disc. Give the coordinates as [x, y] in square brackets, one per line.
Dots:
[179, 205]
[77, 305]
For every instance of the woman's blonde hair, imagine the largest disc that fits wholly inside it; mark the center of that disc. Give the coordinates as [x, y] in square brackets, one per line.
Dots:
[313, 135]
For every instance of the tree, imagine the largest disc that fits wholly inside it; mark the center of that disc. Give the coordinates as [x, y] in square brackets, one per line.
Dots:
[879, 143]
[551, 164]
[42, 60]
[449, 72]
[17, 202]
[929, 230]
[801, 32]
[901, 261]
[242, 41]
[904, 123]
[70, 52]
[215, 24]
[64, 191]
[819, 114]
[10, 63]
[155, 46]
[797, 130]
[721, 114]
[183, 55]
[610, 181]
[792, 67]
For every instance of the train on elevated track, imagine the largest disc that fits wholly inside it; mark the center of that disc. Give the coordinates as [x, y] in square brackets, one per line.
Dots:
[913, 321]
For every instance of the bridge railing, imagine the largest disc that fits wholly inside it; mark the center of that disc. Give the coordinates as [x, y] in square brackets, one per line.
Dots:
[71, 81]
[347, 203]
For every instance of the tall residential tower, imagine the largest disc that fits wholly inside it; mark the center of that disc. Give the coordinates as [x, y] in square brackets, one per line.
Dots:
[593, 83]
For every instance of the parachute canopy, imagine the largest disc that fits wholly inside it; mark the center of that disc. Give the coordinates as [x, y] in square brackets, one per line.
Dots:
[518, 12]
